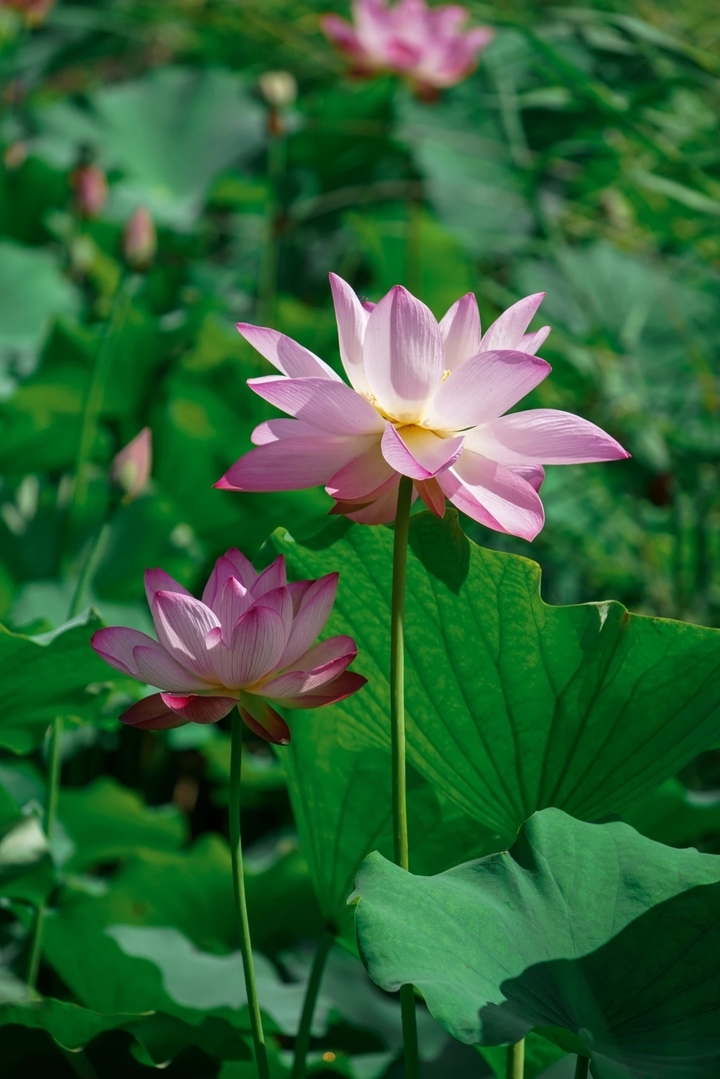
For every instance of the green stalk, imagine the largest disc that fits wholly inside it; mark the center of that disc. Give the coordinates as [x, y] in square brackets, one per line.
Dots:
[258, 1035]
[53, 789]
[88, 570]
[516, 1060]
[397, 735]
[94, 397]
[267, 292]
[413, 244]
[302, 1041]
[581, 1068]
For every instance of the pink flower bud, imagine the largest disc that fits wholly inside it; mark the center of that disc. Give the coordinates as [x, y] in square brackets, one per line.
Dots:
[140, 239]
[131, 467]
[90, 186]
[33, 11]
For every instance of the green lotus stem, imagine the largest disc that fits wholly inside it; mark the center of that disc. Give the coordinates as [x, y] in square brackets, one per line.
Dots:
[88, 570]
[267, 292]
[95, 393]
[515, 1068]
[581, 1068]
[261, 1059]
[53, 789]
[302, 1041]
[397, 736]
[413, 245]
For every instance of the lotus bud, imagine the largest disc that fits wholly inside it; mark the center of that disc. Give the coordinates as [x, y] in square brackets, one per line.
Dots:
[140, 240]
[280, 91]
[279, 88]
[34, 12]
[90, 186]
[131, 467]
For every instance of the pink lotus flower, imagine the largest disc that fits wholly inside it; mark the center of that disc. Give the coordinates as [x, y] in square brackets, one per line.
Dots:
[249, 641]
[131, 467]
[427, 401]
[427, 45]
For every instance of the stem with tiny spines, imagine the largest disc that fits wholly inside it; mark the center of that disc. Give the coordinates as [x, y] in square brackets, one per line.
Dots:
[53, 789]
[397, 737]
[302, 1042]
[258, 1035]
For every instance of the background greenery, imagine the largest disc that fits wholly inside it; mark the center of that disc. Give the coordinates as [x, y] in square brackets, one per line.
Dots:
[580, 159]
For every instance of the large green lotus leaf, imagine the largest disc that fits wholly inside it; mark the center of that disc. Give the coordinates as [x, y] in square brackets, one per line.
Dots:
[135, 127]
[160, 1037]
[160, 936]
[32, 293]
[514, 705]
[105, 822]
[48, 676]
[341, 799]
[589, 933]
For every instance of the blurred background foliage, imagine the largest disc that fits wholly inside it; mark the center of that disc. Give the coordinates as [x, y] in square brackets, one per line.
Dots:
[581, 159]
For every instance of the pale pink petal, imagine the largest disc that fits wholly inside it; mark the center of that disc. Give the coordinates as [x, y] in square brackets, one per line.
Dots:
[544, 436]
[292, 463]
[152, 714]
[531, 342]
[257, 644]
[361, 476]
[479, 37]
[264, 720]
[199, 709]
[274, 430]
[419, 453]
[403, 354]
[379, 512]
[342, 34]
[317, 658]
[156, 667]
[312, 612]
[341, 687]
[493, 495]
[432, 495]
[232, 564]
[182, 623]
[534, 474]
[507, 331]
[294, 684]
[334, 407]
[157, 580]
[483, 388]
[116, 643]
[274, 576]
[280, 601]
[460, 329]
[232, 601]
[285, 354]
[351, 321]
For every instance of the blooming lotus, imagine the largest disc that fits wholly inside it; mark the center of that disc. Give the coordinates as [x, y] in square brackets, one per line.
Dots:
[426, 400]
[249, 641]
[427, 45]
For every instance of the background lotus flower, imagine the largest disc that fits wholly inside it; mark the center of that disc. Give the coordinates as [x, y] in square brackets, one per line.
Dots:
[140, 239]
[90, 185]
[427, 45]
[33, 11]
[249, 641]
[426, 400]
